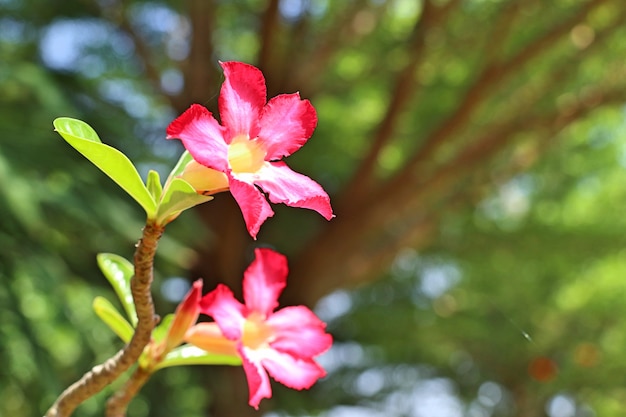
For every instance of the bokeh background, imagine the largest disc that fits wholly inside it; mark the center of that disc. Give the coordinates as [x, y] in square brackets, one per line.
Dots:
[475, 153]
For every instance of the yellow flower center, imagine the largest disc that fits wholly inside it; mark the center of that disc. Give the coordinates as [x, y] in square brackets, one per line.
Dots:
[256, 333]
[245, 155]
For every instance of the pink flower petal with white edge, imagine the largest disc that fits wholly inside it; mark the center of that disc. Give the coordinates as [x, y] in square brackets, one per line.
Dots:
[287, 122]
[227, 312]
[258, 381]
[242, 98]
[264, 280]
[299, 332]
[291, 371]
[202, 136]
[253, 205]
[295, 190]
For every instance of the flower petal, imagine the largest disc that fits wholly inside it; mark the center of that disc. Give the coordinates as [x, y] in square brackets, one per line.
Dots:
[287, 122]
[264, 280]
[299, 332]
[295, 190]
[202, 136]
[253, 205]
[227, 312]
[242, 98]
[290, 371]
[185, 316]
[258, 381]
[209, 337]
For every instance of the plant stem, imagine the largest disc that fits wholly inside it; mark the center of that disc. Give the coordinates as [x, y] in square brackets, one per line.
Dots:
[102, 375]
[118, 403]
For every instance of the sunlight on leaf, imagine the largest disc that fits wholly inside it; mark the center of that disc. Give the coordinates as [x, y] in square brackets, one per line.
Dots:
[110, 161]
[112, 318]
[192, 355]
[178, 169]
[153, 184]
[118, 271]
[178, 196]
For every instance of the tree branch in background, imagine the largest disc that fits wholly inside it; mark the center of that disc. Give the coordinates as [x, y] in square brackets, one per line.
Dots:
[478, 93]
[327, 45]
[405, 89]
[199, 68]
[118, 14]
[101, 375]
[269, 25]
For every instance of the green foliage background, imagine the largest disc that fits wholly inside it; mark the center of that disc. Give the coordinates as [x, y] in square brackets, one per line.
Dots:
[522, 264]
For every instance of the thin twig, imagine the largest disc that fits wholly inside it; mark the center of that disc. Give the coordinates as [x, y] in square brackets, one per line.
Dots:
[102, 375]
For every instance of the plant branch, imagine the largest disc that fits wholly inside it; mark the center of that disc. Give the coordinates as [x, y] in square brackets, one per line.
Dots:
[102, 375]
[118, 403]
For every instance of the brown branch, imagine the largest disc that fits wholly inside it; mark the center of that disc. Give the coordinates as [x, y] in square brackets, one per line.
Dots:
[267, 34]
[199, 67]
[499, 33]
[478, 92]
[484, 148]
[405, 88]
[327, 44]
[102, 375]
[118, 403]
[357, 248]
[117, 13]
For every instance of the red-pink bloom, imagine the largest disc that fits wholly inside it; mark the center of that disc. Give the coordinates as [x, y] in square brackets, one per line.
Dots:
[249, 144]
[283, 343]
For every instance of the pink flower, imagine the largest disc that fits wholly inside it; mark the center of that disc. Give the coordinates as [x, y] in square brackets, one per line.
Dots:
[248, 146]
[282, 343]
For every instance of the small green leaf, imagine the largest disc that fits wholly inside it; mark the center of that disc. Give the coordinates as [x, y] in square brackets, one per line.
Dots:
[178, 196]
[160, 331]
[192, 355]
[178, 169]
[118, 271]
[112, 318]
[153, 184]
[110, 161]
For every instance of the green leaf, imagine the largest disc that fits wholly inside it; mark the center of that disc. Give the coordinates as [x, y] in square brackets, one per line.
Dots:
[118, 271]
[178, 169]
[192, 355]
[112, 318]
[110, 161]
[160, 331]
[178, 196]
[154, 185]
